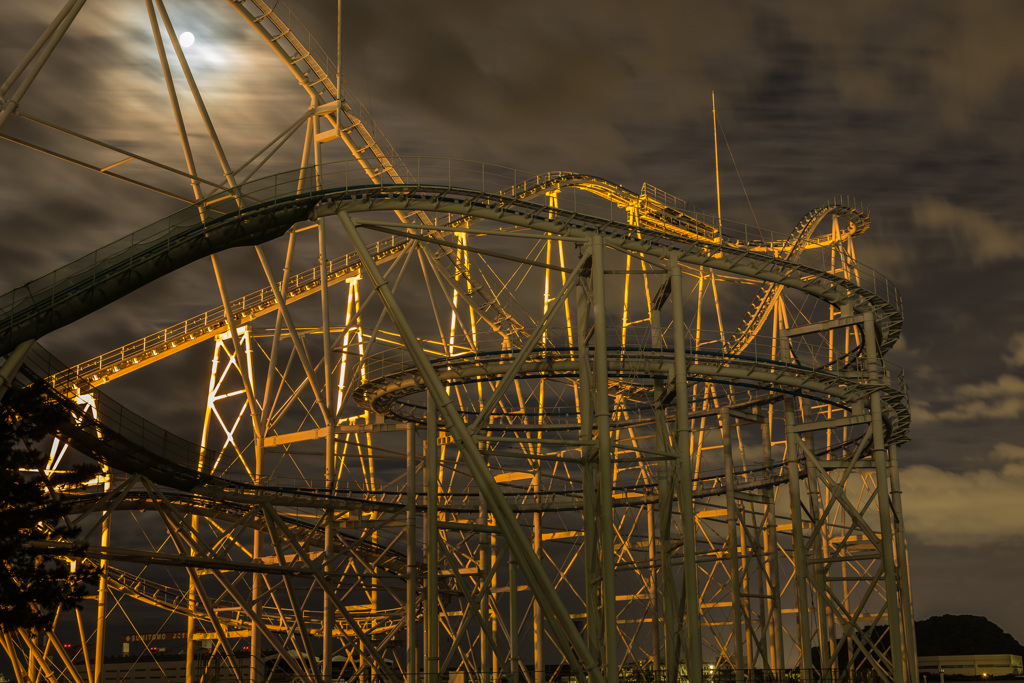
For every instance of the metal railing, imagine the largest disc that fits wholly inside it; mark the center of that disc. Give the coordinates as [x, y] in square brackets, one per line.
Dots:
[124, 254]
[634, 342]
[215, 319]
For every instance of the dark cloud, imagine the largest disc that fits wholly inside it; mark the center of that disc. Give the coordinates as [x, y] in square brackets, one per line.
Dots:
[967, 509]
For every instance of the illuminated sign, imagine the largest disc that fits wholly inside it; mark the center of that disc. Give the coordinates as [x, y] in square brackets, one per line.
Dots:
[154, 637]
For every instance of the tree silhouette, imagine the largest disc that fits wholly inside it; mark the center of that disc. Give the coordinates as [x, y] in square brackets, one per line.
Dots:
[963, 634]
[40, 561]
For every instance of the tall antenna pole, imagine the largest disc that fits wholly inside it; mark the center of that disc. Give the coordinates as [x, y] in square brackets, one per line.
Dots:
[337, 118]
[718, 187]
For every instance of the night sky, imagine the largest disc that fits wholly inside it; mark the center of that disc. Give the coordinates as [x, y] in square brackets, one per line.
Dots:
[912, 108]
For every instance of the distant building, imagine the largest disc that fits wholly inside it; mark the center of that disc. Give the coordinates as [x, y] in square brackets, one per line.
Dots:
[971, 665]
[160, 666]
[209, 667]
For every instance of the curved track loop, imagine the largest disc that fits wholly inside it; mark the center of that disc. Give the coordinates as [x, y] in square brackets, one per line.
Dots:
[94, 281]
[800, 239]
[136, 355]
[97, 279]
[314, 71]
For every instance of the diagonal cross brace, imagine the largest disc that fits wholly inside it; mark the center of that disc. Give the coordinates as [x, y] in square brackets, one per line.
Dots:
[565, 632]
[531, 343]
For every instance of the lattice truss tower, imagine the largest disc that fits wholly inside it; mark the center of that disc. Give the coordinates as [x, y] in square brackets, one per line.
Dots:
[456, 416]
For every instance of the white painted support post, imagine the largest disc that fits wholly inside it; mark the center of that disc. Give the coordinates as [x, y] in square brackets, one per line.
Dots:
[652, 579]
[666, 473]
[101, 595]
[330, 475]
[591, 475]
[657, 541]
[513, 622]
[902, 567]
[776, 652]
[484, 562]
[538, 613]
[818, 550]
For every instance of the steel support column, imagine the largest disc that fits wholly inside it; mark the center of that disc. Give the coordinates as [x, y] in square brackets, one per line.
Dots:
[591, 468]
[411, 554]
[43, 48]
[565, 633]
[602, 415]
[793, 452]
[732, 545]
[101, 594]
[12, 364]
[878, 455]
[903, 568]
[684, 480]
[431, 644]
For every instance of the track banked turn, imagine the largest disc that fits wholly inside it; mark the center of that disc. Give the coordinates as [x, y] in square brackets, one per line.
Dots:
[263, 210]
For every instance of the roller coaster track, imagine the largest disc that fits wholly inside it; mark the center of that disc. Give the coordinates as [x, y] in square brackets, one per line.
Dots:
[383, 394]
[212, 506]
[799, 240]
[658, 210]
[131, 444]
[175, 599]
[652, 211]
[314, 71]
[641, 383]
[347, 119]
[135, 355]
[94, 280]
[135, 445]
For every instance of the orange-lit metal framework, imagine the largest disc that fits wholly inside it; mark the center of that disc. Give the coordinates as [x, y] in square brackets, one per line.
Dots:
[473, 420]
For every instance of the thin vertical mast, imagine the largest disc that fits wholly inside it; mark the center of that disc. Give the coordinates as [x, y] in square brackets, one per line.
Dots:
[337, 76]
[718, 187]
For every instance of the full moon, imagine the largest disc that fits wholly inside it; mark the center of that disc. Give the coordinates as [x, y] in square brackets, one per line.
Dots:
[186, 39]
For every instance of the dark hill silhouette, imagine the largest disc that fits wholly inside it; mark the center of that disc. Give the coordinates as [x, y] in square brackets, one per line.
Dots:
[963, 634]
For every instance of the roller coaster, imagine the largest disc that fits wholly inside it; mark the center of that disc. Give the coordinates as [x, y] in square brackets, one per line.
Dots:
[430, 446]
